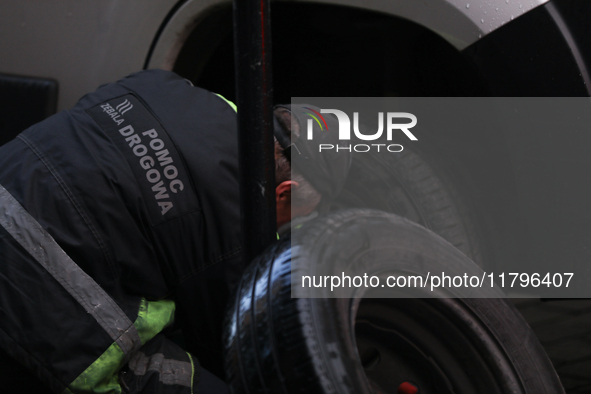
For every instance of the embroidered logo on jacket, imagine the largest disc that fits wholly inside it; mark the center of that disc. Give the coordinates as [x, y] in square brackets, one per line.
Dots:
[153, 158]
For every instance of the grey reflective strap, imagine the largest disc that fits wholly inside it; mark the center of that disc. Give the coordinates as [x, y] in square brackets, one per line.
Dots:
[41, 245]
[170, 371]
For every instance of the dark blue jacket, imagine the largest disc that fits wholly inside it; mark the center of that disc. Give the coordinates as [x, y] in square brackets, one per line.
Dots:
[137, 185]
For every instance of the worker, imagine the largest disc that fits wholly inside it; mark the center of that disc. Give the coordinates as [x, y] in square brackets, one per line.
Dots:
[119, 222]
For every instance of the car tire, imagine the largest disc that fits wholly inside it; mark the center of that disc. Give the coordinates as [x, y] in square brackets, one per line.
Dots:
[408, 185]
[278, 344]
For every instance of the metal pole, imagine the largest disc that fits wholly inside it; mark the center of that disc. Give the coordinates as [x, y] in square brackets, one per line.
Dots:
[254, 93]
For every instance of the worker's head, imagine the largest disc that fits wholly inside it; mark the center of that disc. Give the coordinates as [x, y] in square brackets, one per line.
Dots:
[306, 178]
[294, 195]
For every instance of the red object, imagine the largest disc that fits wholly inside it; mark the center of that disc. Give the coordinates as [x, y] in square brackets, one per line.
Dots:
[407, 388]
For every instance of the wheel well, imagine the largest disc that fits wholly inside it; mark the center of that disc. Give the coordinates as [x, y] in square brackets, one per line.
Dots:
[335, 51]
[317, 48]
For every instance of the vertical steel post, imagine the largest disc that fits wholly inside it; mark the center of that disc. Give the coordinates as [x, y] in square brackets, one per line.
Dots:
[254, 93]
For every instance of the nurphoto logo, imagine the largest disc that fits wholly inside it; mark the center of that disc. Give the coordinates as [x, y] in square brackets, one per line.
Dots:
[392, 124]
